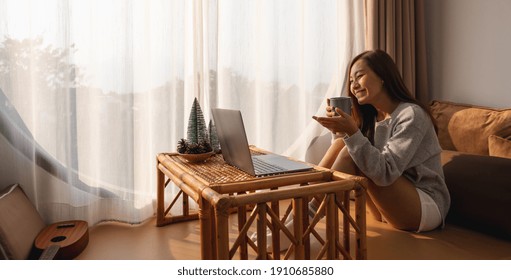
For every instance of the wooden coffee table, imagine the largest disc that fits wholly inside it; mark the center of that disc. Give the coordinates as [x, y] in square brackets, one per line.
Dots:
[221, 190]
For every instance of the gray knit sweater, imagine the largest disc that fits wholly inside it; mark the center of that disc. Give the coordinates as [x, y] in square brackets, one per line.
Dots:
[404, 144]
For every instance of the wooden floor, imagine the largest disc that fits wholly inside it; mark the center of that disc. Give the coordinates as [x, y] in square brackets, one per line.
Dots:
[180, 241]
[146, 241]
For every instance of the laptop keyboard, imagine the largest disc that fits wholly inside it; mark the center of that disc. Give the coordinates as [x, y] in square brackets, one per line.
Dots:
[263, 167]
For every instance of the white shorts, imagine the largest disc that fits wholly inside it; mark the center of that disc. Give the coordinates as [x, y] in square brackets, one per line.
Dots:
[430, 214]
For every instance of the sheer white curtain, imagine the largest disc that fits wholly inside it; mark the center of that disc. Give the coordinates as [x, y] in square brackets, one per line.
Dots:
[92, 90]
[278, 61]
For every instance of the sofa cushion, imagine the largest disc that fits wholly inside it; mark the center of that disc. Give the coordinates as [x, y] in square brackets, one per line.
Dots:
[499, 147]
[480, 189]
[466, 128]
[19, 223]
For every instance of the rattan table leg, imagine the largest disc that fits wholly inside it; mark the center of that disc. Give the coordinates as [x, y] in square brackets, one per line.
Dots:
[305, 223]
[214, 241]
[206, 236]
[331, 209]
[298, 228]
[360, 209]
[222, 233]
[261, 231]
[160, 189]
[275, 207]
[346, 220]
[242, 219]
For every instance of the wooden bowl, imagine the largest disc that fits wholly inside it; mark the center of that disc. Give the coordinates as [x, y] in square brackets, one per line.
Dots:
[195, 158]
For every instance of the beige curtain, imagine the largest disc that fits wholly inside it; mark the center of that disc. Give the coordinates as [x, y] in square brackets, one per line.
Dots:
[397, 27]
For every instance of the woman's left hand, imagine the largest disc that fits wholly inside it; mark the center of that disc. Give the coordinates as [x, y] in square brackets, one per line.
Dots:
[343, 123]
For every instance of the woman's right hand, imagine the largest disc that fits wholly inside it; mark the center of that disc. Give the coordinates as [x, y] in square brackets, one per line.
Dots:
[330, 111]
[337, 123]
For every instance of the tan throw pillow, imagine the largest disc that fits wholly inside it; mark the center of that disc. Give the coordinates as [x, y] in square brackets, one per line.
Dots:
[466, 128]
[19, 223]
[499, 147]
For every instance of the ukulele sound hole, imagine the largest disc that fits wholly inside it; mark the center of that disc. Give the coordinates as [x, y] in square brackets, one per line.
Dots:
[58, 238]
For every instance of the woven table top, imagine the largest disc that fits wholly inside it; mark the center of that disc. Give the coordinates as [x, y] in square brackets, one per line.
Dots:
[215, 170]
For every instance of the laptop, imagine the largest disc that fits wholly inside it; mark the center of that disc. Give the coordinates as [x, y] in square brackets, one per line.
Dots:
[236, 152]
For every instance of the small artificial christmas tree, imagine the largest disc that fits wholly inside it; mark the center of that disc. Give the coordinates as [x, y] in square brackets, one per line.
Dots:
[197, 141]
[197, 130]
[213, 137]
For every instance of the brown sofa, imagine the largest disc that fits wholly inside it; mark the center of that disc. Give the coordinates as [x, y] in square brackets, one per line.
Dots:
[477, 165]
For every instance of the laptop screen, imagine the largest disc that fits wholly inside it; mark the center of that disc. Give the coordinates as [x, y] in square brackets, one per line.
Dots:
[233, 139]
[236, 152]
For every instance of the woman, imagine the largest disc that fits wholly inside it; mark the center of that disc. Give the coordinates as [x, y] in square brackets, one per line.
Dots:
[390, 139]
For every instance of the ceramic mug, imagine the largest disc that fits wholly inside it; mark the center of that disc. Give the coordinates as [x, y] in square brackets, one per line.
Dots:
[341, 102]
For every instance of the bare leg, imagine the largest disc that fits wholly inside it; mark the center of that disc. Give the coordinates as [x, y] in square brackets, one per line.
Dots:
[344, 163]
[327, 161]
[399, 202]
[332, 153]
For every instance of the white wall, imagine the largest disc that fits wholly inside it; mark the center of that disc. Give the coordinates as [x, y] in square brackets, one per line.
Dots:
[469, 51]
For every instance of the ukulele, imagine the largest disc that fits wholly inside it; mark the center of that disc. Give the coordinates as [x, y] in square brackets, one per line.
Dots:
[63, 240]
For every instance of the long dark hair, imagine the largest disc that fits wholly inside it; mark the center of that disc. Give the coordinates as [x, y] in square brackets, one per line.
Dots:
[385, 68]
